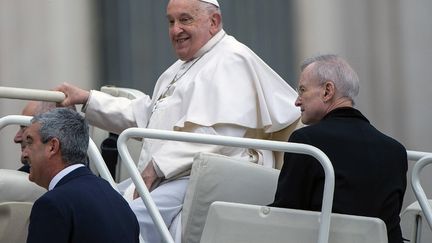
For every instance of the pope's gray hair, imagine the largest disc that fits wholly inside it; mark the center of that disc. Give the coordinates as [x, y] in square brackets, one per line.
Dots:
[333, 68]
[70, 128]
[210, 9]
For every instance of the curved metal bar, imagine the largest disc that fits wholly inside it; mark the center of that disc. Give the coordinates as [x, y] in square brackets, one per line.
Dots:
[14, 120]
[416, 155]
[225, 141]
[99, 162]
[418, 190]
[31, 94]
[92, 151]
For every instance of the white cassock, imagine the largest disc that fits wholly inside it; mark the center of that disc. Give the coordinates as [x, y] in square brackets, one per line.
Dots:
[226, 90]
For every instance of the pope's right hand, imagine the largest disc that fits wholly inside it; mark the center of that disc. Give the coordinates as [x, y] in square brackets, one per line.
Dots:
[74, 95]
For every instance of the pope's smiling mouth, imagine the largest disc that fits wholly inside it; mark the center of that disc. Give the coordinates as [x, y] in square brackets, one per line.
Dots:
[181, 40]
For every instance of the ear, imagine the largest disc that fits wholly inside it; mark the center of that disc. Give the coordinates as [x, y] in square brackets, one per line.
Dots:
[329, 91]
[215, 21]
[53, 147]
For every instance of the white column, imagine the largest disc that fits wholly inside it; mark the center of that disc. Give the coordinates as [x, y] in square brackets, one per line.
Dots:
[318, 25]
[42, 44]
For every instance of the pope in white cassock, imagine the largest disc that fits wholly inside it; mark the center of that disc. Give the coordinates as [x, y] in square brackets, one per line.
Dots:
[218, 86]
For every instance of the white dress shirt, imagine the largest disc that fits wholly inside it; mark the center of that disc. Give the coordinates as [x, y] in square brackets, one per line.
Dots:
[62, 174]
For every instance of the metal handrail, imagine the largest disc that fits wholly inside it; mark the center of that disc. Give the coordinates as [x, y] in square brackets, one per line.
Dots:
[417, 188]
[416, 155]
[324, 220]
[31, 94]
[93, 152]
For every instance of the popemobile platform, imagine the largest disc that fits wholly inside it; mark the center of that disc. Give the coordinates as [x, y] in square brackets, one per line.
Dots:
[226, 198]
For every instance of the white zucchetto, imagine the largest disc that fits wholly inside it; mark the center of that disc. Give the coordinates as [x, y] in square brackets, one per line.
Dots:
[214, 2]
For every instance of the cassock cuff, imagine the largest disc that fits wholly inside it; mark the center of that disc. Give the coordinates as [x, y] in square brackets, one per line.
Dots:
[84, 107]
[159, 173]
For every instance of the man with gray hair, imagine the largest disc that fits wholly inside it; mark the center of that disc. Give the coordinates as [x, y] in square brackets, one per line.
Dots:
[79, 206]
[32, 108]
[370, 167]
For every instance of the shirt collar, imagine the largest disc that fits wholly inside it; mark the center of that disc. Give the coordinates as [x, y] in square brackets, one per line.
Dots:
[62, 174]
[210, 44]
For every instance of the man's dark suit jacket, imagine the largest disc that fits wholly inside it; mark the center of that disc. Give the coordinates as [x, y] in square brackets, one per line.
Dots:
[370, 170]
[82, 208]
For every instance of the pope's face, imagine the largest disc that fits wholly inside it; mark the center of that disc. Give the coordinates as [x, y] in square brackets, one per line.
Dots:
[310, 98]
[189, 27]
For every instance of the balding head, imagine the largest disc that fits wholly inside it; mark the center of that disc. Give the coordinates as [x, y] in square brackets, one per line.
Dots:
[37, 107]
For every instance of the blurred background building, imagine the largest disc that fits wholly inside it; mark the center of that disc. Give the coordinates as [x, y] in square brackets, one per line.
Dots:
[125, 43]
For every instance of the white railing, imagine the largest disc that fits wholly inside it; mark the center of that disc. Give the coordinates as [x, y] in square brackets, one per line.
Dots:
[416, 155]
[31, 94]
[421, 160]
[417, 188]
[225, 141]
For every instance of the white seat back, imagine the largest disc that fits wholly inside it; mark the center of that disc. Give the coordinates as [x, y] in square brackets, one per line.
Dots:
[16, 187]
[236, 223]
[416, 219]
[413, 225]
[418, 190]
[14, 221]
[220, 178]
[17, 195]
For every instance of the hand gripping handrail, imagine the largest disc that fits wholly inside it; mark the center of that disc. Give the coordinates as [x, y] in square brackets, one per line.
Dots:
[225, 141]
[92, 151]
[31, 94]
[418, 190]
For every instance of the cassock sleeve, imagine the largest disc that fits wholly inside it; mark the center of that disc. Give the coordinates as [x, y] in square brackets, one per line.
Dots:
[116, 114]
[47, 224]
